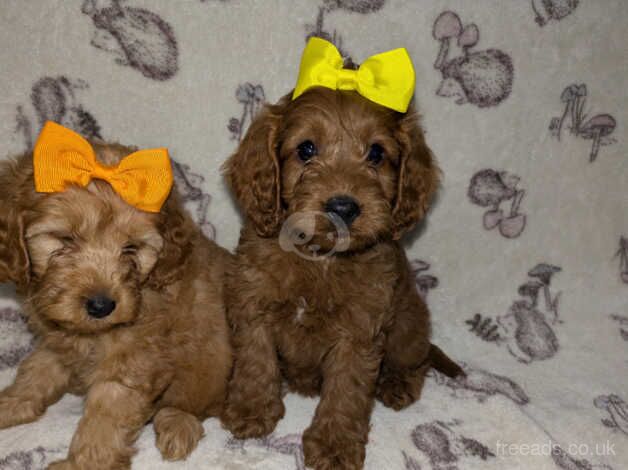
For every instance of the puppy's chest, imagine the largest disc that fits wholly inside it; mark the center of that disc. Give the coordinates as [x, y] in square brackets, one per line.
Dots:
[94, 359]
[334, 298]
[307, 311]
[83, 357]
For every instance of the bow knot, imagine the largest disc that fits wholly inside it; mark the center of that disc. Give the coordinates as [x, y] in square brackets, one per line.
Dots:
[386, 79]
[347, 79]
[102, 172]
[62, 157]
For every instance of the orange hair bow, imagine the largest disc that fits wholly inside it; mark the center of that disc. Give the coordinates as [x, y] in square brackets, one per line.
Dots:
[62, 157]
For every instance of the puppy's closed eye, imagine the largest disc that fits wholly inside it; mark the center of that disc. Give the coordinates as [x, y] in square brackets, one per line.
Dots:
[65, 238]
[70, 241]
[144, 252]
[44, 246]
[130, 249]
[128, 253]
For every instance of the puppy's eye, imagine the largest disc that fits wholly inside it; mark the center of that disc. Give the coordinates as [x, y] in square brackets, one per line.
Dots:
[129, 249]
[65, 238]
[306, 150]
[376, 154]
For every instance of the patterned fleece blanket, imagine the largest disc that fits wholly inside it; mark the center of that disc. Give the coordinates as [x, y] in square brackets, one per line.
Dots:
[523, 260]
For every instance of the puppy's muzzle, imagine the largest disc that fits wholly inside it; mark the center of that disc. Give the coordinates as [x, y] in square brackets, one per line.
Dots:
[100, 306]
[345, 207]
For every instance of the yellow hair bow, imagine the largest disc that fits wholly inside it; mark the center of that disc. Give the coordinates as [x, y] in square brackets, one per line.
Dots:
[62, 157]
[386, 79]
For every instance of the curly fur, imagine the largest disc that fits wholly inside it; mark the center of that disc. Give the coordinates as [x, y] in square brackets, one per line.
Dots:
[162, 354]
[350, 327]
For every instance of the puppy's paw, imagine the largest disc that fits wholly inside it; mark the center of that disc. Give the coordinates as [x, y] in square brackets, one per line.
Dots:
[397, 391]
[62, 465]
[331, 451]
[15, 410]
[246, 422]
[177, 433]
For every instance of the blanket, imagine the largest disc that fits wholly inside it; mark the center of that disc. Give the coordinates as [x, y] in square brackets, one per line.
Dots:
[523, 259]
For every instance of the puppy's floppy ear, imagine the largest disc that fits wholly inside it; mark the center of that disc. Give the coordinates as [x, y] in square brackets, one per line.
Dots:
[15, 176]
[418, 177]
[178, 232]
[253, 171]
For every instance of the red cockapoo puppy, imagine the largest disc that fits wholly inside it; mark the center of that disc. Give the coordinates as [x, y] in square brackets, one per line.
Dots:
[338, 316]
[125, 302]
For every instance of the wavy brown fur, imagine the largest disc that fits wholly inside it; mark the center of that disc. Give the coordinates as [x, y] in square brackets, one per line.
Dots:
[162, 354]
[350, 327]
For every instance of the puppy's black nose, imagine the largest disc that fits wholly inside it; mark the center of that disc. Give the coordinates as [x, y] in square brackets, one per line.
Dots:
[100, 306]
[346, 207]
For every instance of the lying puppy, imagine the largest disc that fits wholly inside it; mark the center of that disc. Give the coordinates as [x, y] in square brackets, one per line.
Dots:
[126, 304]
[353, 176]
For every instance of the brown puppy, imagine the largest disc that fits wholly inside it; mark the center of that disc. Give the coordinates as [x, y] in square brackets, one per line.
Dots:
[127, 309]
[350, 325]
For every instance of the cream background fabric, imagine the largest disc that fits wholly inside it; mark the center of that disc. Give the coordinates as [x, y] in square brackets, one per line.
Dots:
[95, 66]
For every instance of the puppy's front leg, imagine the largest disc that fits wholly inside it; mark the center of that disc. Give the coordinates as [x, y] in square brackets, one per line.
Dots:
[41, 381]
[114, 415]
[254, 395]
[405, 361]
[337, 437]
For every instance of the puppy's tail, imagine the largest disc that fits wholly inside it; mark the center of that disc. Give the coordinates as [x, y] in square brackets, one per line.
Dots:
[443, 363]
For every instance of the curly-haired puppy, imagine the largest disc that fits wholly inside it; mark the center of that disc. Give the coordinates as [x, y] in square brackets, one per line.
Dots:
[127, 309]
[351, 325]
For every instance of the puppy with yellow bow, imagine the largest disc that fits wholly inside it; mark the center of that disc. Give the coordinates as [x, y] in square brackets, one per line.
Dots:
[123, 293]
[322, 295]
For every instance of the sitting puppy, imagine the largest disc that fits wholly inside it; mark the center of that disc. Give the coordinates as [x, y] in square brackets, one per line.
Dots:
[348, 325]
[125, 302]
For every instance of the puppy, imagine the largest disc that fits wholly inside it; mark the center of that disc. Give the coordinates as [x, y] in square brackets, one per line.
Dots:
[126, 307]
[347, 323]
